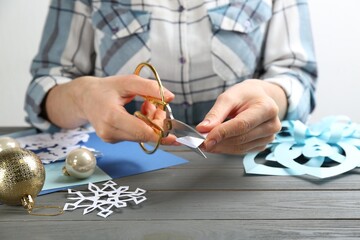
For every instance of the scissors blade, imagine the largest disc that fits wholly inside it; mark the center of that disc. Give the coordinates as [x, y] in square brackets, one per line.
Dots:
[186, 135]
[193, 143]
[180, 129]
[198, 151]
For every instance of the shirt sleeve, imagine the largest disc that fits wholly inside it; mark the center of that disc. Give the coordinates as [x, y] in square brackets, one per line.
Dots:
[65, 52]
[289, 58]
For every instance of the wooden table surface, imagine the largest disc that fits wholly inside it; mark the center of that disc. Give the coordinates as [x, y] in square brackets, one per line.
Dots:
[206, 199]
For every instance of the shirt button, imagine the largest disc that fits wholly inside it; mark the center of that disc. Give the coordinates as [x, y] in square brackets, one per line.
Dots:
[182, 60]
[186, 104]
[181, 8]
[114, 30]
[247, 24]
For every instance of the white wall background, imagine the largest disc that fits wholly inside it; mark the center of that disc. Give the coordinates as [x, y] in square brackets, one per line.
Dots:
[21, 24]
[337, 43]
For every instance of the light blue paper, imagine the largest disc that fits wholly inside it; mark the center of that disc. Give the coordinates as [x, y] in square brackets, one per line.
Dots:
[55, 180]
[350, 162]
[333, 140]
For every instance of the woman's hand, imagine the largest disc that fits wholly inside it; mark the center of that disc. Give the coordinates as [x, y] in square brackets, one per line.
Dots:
[253, 109]
[101, 101]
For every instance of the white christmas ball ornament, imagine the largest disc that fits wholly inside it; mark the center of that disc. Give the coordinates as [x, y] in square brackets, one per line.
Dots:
[80, 163]
[8, 142]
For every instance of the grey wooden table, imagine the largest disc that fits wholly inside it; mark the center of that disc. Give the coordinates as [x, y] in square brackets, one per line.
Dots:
[206, 199]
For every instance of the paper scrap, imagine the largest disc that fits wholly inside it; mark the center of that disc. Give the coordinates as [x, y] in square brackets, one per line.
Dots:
[192, 142]
[189, 141]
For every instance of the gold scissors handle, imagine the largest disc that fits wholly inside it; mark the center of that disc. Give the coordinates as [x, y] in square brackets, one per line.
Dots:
[159, 103]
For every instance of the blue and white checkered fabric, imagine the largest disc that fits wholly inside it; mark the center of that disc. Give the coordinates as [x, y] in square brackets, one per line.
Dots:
[199, 48]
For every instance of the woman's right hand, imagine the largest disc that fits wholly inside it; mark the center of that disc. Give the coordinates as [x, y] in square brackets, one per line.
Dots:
[101, 101]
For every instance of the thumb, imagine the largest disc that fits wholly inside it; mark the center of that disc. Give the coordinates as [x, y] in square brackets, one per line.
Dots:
[151, 88]
[132, 85]
[217, 114]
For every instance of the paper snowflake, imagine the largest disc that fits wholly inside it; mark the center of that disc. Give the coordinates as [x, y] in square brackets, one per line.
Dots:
[55, 147]
[325, 149]
[104, 199]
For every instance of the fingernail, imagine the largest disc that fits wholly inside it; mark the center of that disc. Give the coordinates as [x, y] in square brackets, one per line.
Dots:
[170, 94]
[205, 122]
[210, 144]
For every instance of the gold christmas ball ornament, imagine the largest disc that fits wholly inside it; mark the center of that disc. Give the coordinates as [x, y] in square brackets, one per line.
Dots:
[22, 174]
[80, 163]
[8, 142]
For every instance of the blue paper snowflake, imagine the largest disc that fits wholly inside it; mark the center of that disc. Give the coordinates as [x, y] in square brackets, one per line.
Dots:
[325, 149]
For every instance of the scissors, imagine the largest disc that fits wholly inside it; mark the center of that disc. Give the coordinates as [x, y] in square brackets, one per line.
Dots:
[171, 125]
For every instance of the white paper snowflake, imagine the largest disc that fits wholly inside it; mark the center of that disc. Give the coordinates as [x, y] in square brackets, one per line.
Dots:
[55, 147]
[104, 199]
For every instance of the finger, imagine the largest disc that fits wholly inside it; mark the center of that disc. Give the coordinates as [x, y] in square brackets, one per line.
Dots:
[258, 149]
[136, 85]
[170, 140]
[148, 109]
[113, 129]
[241, 124]
[159, 115]
[229, 148]
[217, 114]
[155, 115]
[268, 128]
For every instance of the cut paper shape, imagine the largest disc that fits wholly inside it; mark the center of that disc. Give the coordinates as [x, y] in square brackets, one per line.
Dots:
[104, 199]
[55, 147]
[349, 162]
[325, 149]
[251, 166]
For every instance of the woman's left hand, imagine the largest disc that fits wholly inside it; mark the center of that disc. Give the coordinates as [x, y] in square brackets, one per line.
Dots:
[244, 118]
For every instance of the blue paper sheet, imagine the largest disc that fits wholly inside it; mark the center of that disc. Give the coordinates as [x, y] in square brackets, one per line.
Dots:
[118, 160]
[127, 158]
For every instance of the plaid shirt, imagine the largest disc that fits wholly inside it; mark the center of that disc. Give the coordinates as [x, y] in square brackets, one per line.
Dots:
[200, 48]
